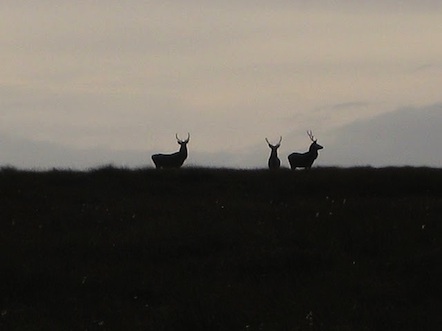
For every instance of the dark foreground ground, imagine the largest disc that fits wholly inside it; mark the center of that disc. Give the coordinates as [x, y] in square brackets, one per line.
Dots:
[210, 249]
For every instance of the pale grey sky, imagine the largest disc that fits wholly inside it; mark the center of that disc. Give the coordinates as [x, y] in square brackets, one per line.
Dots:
[91, 82]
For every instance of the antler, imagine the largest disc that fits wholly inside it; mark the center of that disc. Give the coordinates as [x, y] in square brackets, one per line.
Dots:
[280, 139]
[183, 141]
[278, 144]
[311, 136]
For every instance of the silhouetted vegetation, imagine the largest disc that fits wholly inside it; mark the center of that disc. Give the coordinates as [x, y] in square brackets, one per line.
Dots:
[220, 249]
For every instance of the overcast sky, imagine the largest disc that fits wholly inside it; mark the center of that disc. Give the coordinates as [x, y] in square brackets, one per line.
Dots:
[88, 83]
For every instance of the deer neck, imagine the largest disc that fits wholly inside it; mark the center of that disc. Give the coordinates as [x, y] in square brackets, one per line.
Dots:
[183, 150]
[313, 151]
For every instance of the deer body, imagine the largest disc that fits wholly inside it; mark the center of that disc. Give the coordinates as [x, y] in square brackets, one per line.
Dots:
[305, 160]
[274, 162]
[174, 160]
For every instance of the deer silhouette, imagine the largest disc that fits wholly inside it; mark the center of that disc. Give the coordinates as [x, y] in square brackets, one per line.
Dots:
[305, 160]
[274, 162]
[174, 160]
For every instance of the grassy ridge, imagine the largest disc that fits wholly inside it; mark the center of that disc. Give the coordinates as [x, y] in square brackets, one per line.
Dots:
[220, 249]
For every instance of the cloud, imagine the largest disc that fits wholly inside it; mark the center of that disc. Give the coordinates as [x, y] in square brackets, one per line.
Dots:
[350, 105]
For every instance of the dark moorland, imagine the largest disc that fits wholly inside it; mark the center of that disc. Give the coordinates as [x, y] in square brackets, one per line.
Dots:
[220, 249]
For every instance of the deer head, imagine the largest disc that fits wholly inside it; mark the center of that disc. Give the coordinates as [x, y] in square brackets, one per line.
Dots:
[314, 146]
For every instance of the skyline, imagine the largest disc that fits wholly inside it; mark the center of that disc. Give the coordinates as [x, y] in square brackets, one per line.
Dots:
[89, 84]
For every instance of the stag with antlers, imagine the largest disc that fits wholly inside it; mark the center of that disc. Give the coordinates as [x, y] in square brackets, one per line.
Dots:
[174, 160]
[274, 162]
[305, 160]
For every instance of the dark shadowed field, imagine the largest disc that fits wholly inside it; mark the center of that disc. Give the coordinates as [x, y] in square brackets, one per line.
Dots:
[219, 249]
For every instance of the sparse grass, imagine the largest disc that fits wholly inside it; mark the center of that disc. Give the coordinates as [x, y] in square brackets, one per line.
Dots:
[220, 249]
